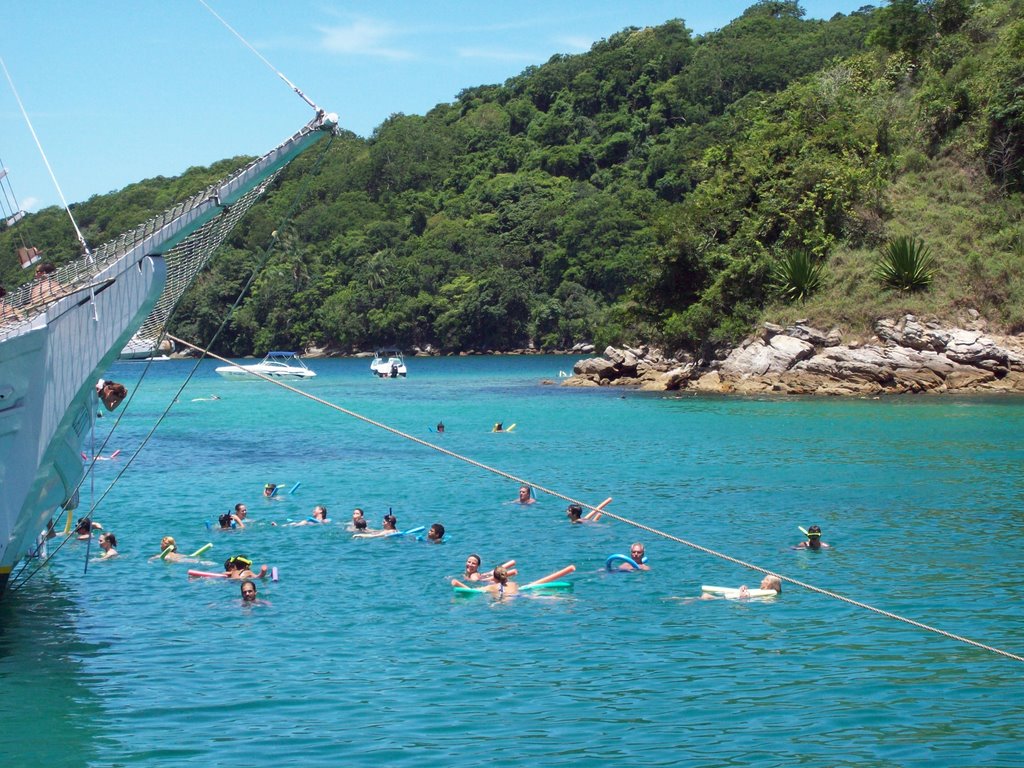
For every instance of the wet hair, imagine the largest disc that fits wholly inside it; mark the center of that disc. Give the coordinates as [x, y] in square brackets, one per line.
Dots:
[390, 520]
[479, 560]
[775, 582]
[814, 530]
[360, 524]
[84, 525]
[168, 541]
[359, 510]
[250, 583]
[437, 529]
[111, 538]
[239, 562]
[500, 574]
[575, 511]
[322, 509]
[225, 520]
[239, 506]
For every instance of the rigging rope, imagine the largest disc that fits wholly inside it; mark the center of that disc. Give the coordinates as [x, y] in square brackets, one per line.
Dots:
[53, 176]
[262, 58]
[603, 510]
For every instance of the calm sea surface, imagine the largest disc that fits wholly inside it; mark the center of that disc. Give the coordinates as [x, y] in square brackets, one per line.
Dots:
[364, 657]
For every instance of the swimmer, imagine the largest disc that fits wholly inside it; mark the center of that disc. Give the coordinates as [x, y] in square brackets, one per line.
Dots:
[319, 517]
[269, 489]
[498, 427]
[440, 427]
[636, 554]
[173, 556]
[575, 514]
[235, 519]
[357, 517]
[108, 543]
[813, 540]
[240, 567]
[436, 533]
[525, 496]
[85, 526]
[473, 568]
[390, 528]
[770, 581]
[249, 591]
[502, 586]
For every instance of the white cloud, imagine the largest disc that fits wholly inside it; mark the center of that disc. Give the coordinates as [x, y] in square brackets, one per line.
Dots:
[362, 37]
[577, 44]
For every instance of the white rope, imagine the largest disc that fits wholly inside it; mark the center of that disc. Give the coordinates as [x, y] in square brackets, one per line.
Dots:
[53, 176]
[262, 58]
[600, 508]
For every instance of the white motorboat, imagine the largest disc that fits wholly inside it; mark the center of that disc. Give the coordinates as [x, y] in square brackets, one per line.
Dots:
[276, 365]
[388, 363]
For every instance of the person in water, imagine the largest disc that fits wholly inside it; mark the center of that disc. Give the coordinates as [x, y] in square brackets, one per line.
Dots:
[770, 581]
[248, 591]
[525, 496]
[108, 543]
[357, 518]
[390, 528]
[440, 426]
[240, 567]
[575, 514]
[472, 572]
[269, 490]
[813, 540]
[436, 533]
[636, 554]
[85, 526]
[498, 427]
[319, 517]
[235, 519]
[502, 586]
[173, 556]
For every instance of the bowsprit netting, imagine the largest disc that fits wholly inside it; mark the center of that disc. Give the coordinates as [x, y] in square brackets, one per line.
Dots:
[186, 235]
[185, 261]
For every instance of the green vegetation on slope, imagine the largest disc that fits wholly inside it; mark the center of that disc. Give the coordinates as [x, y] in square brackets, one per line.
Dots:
[651, 189]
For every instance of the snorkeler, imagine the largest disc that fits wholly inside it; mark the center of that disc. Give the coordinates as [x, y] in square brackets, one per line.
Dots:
[240, 567]
[813, 539]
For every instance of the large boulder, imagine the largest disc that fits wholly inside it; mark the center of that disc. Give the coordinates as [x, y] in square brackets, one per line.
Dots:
[594, 366]
[758, 358]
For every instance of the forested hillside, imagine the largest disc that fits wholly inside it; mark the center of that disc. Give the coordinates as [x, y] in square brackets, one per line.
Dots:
[661, 187]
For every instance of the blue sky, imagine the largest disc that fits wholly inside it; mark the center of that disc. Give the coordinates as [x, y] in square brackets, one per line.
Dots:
[123, 90]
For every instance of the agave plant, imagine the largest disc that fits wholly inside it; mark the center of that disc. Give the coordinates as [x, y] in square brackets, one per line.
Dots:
[906, 265]
[798, 275]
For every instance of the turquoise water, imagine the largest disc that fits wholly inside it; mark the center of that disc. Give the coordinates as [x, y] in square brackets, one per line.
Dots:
[364, 657]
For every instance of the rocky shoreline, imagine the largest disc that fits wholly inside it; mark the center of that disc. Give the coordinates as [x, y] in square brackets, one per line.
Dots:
[904, 356]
